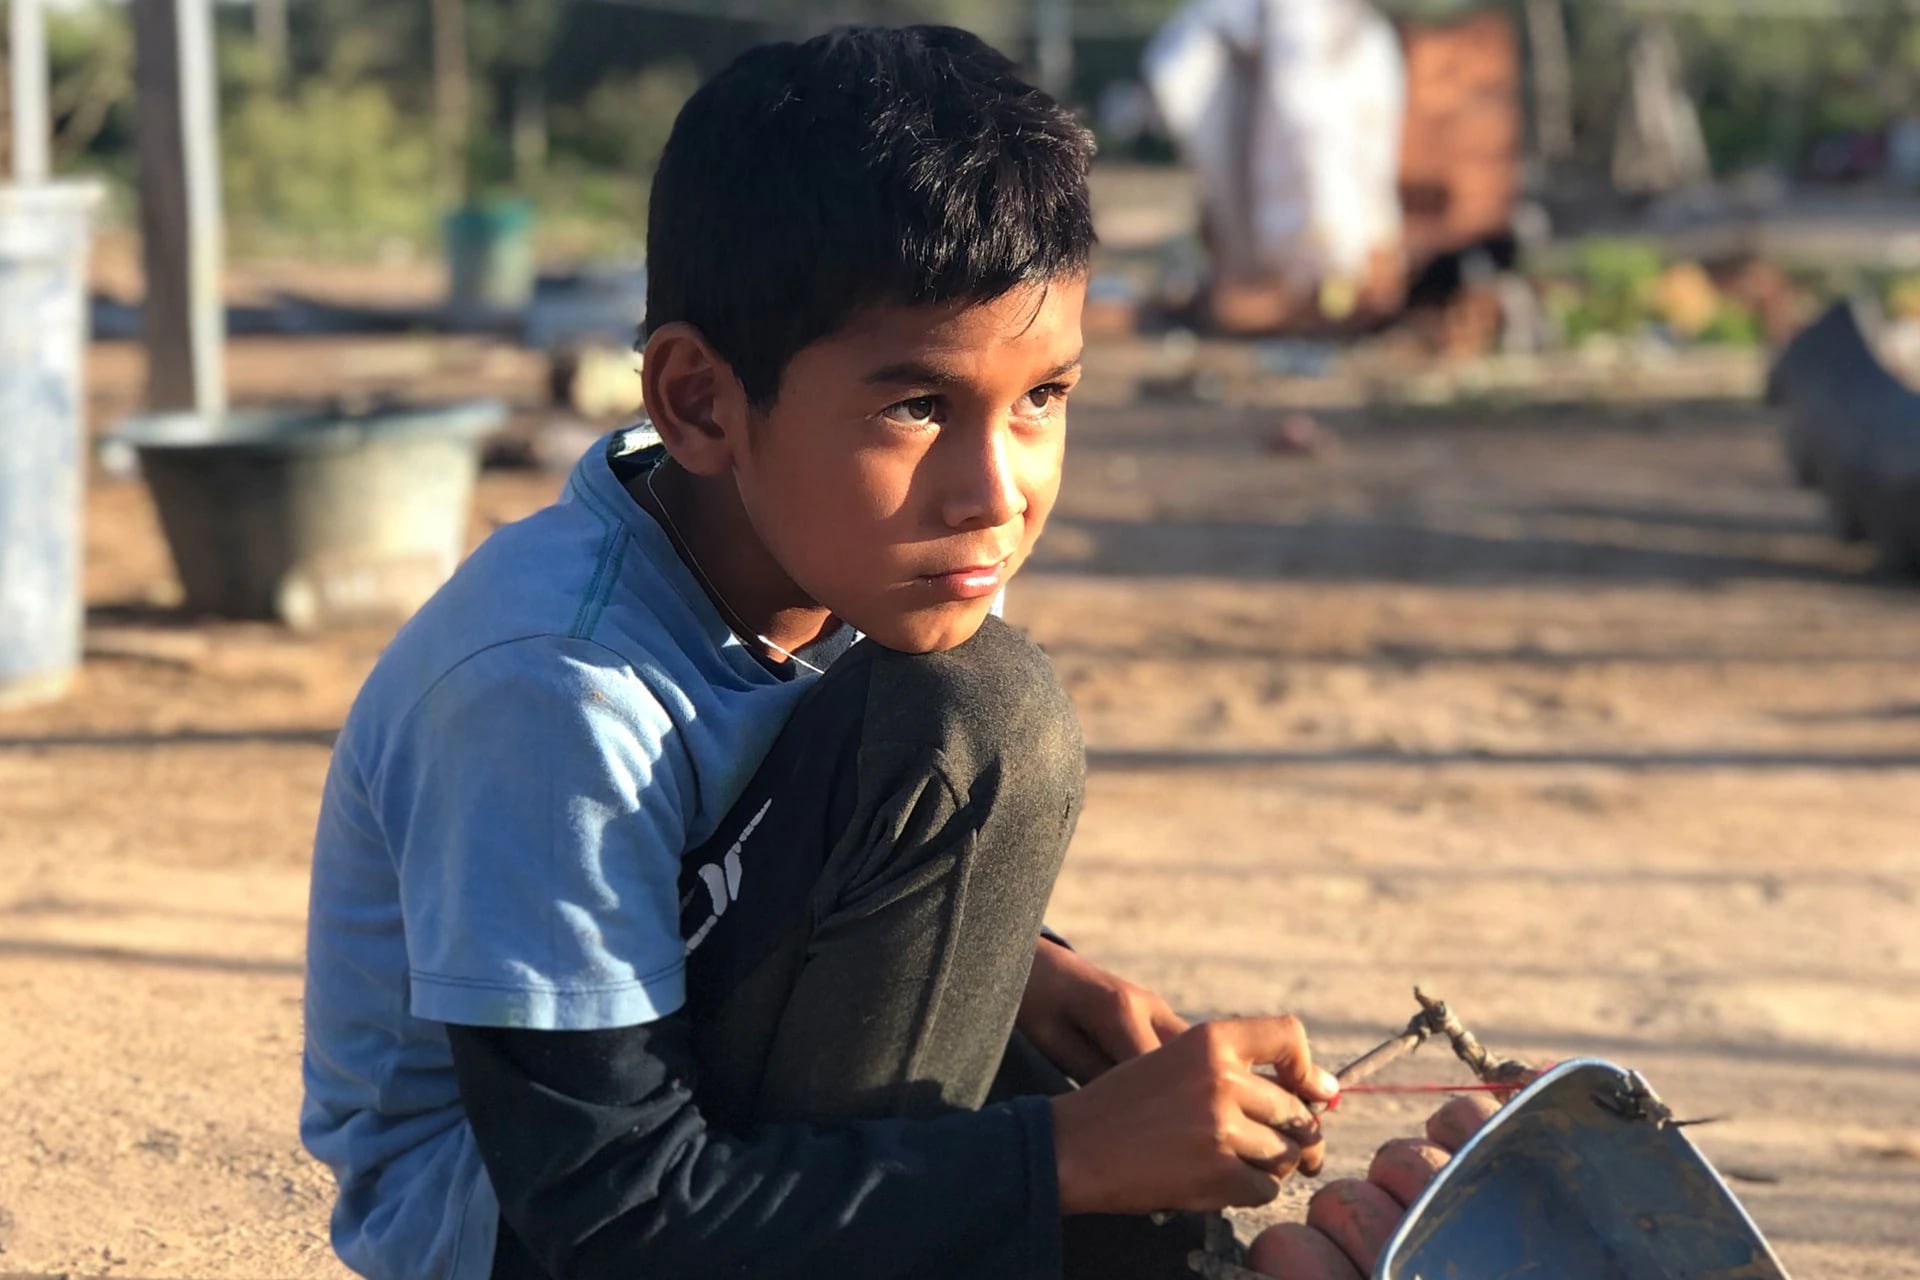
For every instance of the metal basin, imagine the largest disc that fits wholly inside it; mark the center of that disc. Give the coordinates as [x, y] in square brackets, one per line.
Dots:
[314, 517]
[1580, 1177]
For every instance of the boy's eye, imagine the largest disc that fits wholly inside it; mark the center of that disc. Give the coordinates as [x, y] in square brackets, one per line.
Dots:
[917, 412]
[1041, 398]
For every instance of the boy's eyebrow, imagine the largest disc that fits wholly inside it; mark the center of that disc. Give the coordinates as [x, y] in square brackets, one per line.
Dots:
[1062, 369]
[910, 373]
[915, 373]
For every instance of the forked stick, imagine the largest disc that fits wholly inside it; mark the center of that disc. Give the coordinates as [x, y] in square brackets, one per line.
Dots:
[1220, 1260]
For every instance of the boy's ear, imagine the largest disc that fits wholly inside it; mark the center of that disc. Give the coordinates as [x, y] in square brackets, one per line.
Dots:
[694, 398]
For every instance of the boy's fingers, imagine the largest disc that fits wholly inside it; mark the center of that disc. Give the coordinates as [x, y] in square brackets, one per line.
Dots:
[1070, 1050]
[1280, 1043]
[1250, 1185]
[1294, 1251]
[1167, 1024]
[1357, 1216]
[1313, 1146]
[1266, 1149]
[1255, 1142]
[1129, 1035]
[1270, 1105]
[1405, 1166]
[1454, 1123]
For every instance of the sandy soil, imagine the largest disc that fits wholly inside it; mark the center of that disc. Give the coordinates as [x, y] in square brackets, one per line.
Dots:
[1580, 719]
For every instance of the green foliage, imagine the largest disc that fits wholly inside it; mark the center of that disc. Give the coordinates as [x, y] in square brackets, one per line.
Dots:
[376, 39]
[507, 36]
[1766, 84]
[622, 125]
[1732, 326]
[333, 164]
[1430, 10]
[1768, 88]
[1618, 278]
[89, 79]
[590, 212]
[1615, 288]
[1901, 296]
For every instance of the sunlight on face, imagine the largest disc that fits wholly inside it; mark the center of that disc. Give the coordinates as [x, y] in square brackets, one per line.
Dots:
[911, 459]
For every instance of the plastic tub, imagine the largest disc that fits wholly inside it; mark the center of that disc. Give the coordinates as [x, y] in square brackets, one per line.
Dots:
[490, 267]
[314, 517]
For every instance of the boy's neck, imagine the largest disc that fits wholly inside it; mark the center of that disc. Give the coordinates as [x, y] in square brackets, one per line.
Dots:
[709, 529]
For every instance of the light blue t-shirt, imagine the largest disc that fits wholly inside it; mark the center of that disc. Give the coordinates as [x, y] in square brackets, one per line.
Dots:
[499, 845]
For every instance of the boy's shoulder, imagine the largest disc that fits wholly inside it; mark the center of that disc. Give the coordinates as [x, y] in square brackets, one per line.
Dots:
[579, 582]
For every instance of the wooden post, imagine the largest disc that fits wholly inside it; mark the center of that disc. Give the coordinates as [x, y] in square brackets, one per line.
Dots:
[1053, 46]
[451, 108]
[177, 144]
[1552, 79]
[270, 33]
[27, 79]
[529, 128]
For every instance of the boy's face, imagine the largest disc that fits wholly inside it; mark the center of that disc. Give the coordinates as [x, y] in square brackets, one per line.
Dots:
[910, 460]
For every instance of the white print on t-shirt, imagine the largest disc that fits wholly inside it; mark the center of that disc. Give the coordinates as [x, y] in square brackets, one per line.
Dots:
[722, 879]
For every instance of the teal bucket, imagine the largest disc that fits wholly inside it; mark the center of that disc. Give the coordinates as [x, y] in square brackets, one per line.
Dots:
[43, 277]
[490, 263]
[317, 517]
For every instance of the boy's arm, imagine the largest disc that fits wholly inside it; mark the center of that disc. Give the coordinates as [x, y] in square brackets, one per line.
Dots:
[603, 1166]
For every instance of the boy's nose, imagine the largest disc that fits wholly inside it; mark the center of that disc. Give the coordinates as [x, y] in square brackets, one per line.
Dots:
[983, 490]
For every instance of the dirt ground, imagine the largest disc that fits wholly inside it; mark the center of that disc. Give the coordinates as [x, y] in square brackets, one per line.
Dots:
[1578, 718]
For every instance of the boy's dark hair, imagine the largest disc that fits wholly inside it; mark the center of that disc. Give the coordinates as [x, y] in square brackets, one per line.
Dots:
[867, 166]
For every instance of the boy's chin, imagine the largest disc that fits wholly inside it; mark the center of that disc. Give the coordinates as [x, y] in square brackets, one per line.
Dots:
[929, 630]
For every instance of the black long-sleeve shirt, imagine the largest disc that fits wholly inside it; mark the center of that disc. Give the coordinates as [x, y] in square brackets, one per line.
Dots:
[605, 1167]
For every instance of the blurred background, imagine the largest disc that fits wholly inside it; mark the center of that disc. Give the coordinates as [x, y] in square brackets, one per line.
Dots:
[1546, 175]
[1486, 556]
[350, 131]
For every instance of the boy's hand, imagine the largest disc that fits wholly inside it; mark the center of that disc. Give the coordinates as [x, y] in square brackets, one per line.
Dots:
[1350, 1221]
[1085, 1019]
[1190, 1125]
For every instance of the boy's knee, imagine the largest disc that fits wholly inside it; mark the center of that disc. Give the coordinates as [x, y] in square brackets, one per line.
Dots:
[994, 701]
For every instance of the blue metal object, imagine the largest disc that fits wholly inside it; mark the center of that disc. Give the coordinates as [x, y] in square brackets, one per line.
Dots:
[43, 258]
[1583, 1176]
[600, 305]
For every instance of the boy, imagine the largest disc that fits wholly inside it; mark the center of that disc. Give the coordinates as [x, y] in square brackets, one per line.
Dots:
[660, 929]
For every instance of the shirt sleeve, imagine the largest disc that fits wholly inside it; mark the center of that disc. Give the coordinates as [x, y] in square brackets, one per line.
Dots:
[536, 801]
[604, 1166]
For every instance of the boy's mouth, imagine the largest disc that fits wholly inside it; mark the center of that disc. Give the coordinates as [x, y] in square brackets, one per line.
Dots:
[969, 582]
